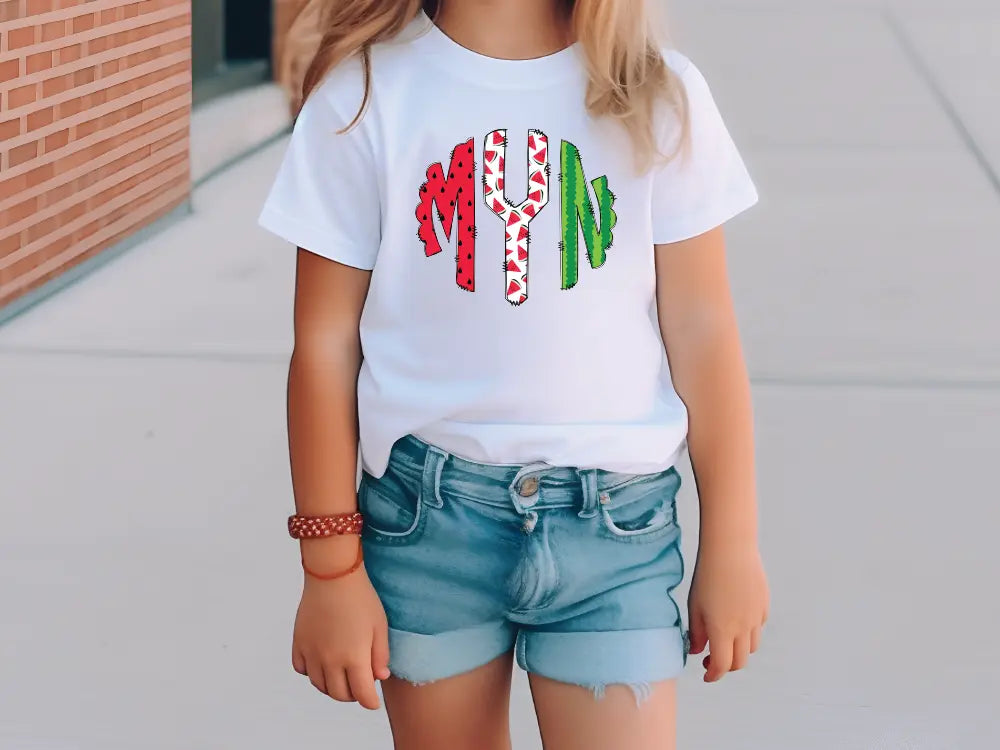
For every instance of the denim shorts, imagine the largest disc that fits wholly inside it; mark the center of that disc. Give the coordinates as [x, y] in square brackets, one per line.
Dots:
[572, 568]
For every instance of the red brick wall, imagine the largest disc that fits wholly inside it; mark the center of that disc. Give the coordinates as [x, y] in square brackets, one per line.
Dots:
[94, 118]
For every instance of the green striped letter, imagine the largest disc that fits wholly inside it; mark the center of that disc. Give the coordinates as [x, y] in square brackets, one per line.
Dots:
[578, 213]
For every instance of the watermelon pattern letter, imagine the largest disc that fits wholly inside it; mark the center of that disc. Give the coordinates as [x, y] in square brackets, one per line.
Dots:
[516, 218]
[448, 194]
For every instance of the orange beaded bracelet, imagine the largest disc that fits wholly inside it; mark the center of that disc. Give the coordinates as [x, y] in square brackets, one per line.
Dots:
[317, 527]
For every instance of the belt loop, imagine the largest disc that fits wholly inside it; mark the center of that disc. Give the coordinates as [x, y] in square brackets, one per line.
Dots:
[588, 479]
[430, 484]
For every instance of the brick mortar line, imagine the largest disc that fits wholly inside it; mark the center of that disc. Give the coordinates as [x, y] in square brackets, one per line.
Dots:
[165, 109]
[90, 60]
[89, 140]
[153, 137]
[16, 304]
[139, 219]
[98, 32]
[142, 189]
[119, 201]
[97, 188]
[164, 199]
[69, 14]
[122, 103]
[97, 58]
[102, 83]
[84, 115]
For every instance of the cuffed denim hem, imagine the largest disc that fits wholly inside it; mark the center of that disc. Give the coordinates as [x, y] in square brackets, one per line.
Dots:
[420, 658]
[636, 658]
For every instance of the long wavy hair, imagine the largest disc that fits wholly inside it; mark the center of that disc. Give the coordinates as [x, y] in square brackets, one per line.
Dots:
[622, 46]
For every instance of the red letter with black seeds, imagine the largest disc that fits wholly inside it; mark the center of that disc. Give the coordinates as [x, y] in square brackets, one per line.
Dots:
[451, 198]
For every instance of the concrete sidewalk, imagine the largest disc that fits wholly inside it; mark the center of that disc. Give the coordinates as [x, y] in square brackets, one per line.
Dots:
[142, 410]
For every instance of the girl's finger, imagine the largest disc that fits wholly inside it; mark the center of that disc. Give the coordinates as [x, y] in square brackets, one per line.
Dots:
[697, 634]
[380, 653]
[314, 670]
[754, 640]
[298, 661]
[741, 652]
[362, 684]
[337, 686]
[722, 657]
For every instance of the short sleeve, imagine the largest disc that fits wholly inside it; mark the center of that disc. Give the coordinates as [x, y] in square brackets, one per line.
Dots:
[706, 184]
[325, 197]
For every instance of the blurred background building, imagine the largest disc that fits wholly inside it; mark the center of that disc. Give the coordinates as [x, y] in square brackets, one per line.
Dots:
[99, 144]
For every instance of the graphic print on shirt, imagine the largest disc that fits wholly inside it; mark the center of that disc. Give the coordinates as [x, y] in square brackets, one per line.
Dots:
[578, 213]
[453, 197]
[516, 218]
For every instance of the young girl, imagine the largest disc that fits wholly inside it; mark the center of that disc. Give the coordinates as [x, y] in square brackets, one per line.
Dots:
[508, 214]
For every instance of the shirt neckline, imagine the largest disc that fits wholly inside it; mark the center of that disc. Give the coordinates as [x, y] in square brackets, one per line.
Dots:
[495, 72]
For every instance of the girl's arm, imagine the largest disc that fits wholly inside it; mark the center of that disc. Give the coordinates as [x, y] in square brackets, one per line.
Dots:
[729, 599]
[323, 384]
[340, 638]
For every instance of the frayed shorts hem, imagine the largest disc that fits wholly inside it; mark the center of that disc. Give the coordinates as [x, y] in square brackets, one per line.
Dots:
[420, 658]
[595, 660]
[598, 659]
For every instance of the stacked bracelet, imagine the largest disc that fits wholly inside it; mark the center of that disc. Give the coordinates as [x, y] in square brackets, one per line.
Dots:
[317, 527]
[338, 574]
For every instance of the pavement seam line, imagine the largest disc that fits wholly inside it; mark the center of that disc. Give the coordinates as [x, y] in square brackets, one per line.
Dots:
[97, 353]
[242, 156]
[883, 383]
[923, 70]
[762, 379]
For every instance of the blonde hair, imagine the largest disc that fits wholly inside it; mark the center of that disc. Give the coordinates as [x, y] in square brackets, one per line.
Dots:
[629, 79]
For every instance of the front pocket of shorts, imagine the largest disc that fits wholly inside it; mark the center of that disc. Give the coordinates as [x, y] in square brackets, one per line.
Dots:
[393, 514]
[641, 511]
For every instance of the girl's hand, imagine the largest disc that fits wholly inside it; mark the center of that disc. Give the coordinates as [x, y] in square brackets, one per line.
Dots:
[727, 606]
[341, 639]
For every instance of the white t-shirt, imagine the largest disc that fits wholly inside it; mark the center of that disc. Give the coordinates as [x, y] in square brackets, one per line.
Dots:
[465, 172]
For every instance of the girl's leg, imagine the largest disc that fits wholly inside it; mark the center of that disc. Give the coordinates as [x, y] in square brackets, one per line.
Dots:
[465, 712]
[571, 718]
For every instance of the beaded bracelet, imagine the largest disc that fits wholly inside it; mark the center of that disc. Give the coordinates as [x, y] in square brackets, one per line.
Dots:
[317, 527]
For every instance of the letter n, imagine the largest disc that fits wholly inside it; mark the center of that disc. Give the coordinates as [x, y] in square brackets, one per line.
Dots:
[578, 214]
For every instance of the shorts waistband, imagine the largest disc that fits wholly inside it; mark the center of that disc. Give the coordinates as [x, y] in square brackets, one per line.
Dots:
[527, 487]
